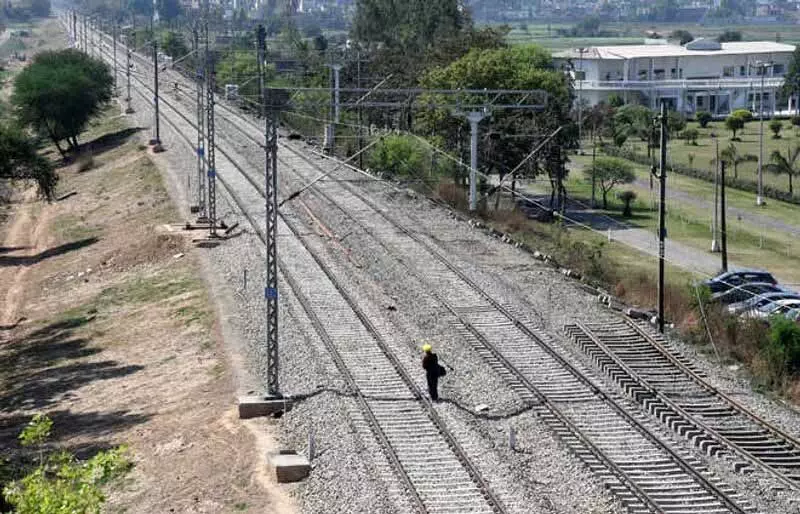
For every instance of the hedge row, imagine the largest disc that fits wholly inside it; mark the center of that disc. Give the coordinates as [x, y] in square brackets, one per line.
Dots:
[742, 184]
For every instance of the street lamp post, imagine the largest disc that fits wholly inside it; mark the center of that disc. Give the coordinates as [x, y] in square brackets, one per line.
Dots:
[579, 75]
[762, 67]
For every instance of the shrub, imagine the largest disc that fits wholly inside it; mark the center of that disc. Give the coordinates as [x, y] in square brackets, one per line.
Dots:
[784, 345]
[704, 118]
[796, 121]
[398, 156]
[691, 135]
[775, 126]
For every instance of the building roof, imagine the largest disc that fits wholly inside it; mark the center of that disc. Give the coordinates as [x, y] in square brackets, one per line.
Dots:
[672, 50]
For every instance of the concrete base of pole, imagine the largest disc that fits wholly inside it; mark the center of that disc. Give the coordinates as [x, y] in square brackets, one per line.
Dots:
[129, 110]
[158, 148]
[714, 245]
[288, 466]
[760, 200]
[253, 406]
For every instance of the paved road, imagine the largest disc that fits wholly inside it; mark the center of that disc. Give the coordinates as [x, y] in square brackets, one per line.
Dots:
[681, 255]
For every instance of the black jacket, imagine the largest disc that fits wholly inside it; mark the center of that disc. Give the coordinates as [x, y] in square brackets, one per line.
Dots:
[430, 362]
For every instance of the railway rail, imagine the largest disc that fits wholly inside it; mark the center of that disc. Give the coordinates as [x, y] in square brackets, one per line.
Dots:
[644, 472]
[435, 470]
[645, 368]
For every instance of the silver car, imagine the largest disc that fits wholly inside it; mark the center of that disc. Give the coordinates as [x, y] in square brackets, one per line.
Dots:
[760, 300]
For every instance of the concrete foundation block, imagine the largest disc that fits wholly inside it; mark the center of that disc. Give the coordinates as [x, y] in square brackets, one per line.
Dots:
[260, 406]
[289, 466]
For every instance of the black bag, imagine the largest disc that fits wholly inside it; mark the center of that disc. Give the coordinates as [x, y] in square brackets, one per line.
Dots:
[442, 371]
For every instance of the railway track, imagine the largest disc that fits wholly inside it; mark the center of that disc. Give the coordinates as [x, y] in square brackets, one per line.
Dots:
[435, 470]
[644, 472]
[641, 364]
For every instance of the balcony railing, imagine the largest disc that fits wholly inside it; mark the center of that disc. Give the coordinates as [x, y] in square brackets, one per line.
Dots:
[726, 83]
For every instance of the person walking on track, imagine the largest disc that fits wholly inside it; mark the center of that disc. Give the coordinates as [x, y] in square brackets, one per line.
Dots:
[430, 363]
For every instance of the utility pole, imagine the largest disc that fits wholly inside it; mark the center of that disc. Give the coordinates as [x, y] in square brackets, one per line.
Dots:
[762, 67]
[360, 130]
[662, 228]
[715, 218]
[580, 76]
[74, 29]
[128, 109]
[202, 216]
[271, 218]
[335, 68]
[85, 32]
[156, 142]
[723, 227]
[116, 92]
[474, 118]
[211, 169]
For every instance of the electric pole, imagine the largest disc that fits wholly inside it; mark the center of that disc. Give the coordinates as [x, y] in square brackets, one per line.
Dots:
[116, 92]
[723, 228]
[662, 228]
[715, 218]
[335, 68]
[156, 142]
[211, 169]
[271, 222]
[128, 109]
[74, 29]
[201, 114]
[474, 118]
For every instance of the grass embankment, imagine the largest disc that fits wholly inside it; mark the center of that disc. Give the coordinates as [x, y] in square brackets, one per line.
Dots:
[108, 330]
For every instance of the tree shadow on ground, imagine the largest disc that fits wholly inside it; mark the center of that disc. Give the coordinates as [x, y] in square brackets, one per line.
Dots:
[102, 144]
[43, 367]
[27, 260]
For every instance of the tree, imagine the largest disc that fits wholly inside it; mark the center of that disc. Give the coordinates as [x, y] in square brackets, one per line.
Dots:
[732, 156]
[704, 118]
[517, 67]
[776, 126]
[19, 160]
[683, 36]
[173, 44]
[398, 156]
[791, 85]
[59, 92]
[610, 172]
[733, 123]
[627, 198]
[786, 165]
[690, 135]
[634, 120]
[615, 100]
[675, 122]
[729, 35]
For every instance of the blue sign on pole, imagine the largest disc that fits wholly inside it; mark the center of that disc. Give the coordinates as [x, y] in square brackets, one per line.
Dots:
[271, 293]
[200, 151]
[211, 173]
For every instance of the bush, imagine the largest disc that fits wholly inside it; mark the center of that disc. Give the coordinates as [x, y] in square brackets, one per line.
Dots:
[745, 114]
[398, 156]
[704, 118]
[796, 121]
[784, 346]
[691, 135]
[776, 126]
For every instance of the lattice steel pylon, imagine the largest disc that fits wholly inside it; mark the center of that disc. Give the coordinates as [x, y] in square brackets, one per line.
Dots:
[202, 215]
[211, 170]
[271, 193]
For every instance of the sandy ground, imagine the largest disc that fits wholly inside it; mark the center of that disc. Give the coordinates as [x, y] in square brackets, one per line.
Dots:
[107, 326]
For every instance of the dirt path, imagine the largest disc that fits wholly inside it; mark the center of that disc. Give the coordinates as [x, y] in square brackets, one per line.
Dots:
[121, 344]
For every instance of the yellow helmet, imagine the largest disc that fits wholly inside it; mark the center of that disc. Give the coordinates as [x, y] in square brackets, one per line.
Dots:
[426, 347]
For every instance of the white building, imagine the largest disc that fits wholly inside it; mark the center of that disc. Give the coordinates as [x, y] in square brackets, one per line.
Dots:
[700, 76]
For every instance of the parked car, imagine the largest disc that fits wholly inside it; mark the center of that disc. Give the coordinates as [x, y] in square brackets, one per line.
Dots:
[759, 301]
[727, 280]
[774, 308]
[744, 292]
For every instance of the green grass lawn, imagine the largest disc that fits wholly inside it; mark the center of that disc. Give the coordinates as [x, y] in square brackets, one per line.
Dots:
[748, 244]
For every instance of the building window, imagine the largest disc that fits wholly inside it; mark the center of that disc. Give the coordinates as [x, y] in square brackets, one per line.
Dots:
[642, 74]
[700, 103]
[727, 71]
[777, 69]
[742, 71]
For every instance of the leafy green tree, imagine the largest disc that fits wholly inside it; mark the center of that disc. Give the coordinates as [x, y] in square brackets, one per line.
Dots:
[690, 135]
[734, 157]
[398, 156]
[609, 172]
[173, 44]
[788, 165]
[518, 67]
[791, 84]
[634, 120]
[704, 118]
[735, 122]
[627, 198]
[683, 36]
[59, 92]
[675, 122]
[615, 100]
[776, 126]
[19, 160]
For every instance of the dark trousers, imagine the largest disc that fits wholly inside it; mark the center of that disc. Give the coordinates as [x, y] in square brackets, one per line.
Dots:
[433, 387]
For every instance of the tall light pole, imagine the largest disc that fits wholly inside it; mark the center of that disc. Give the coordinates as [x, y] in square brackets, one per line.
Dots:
[580, 76]
[762, 67]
